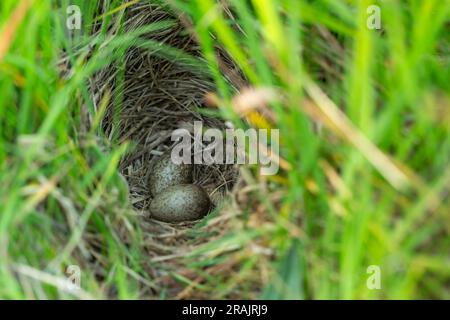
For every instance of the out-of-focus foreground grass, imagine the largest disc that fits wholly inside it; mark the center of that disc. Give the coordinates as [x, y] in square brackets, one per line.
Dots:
[365, 145]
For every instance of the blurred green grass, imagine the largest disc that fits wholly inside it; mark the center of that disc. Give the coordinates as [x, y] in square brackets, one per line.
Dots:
[346, 204]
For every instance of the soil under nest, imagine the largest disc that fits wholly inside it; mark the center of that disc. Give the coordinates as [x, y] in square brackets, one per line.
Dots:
[157, 95]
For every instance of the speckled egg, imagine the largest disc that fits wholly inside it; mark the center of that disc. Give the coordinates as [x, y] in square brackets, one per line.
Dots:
[165, 174]
[180, 203]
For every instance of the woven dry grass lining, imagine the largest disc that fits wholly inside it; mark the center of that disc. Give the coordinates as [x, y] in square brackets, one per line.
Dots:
[158, 96]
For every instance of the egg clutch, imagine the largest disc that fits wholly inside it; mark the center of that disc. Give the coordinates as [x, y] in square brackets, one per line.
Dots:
[175, 198]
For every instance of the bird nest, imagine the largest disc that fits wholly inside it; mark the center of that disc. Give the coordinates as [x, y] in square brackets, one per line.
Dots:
[155, 96]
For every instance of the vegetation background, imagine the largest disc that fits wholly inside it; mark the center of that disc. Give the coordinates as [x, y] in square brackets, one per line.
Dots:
[365, 147]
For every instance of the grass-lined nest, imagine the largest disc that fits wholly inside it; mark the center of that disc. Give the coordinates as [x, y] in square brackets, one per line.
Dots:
[151, 96]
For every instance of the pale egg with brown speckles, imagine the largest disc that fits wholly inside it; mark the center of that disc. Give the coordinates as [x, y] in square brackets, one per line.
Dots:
[179, 203]
[165, 173]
